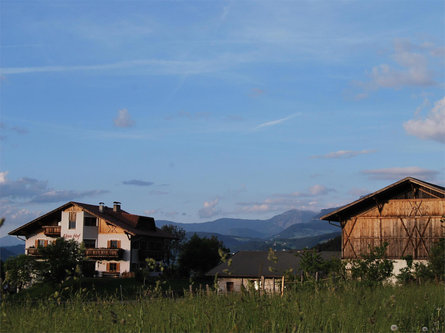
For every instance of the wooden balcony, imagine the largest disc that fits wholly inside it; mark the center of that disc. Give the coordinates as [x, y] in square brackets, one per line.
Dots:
[104, 253]
[33, 251]
[52, 230]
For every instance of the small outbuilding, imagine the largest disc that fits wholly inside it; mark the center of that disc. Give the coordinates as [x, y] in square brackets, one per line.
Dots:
[260, 270]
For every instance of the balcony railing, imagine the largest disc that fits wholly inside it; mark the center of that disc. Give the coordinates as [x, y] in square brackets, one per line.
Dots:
[33, 251]
[104, 253]
[52, 230]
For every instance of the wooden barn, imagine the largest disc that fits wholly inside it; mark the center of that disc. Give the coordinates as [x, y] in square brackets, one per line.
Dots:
[407, 215]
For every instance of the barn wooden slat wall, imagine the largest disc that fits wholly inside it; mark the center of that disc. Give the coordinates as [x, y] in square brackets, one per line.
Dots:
[409, 226]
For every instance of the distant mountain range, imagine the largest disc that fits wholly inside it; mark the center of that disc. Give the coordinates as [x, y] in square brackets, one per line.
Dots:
[293, 229]
[262, 229]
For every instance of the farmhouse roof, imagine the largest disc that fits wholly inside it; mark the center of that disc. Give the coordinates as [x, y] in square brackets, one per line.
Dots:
[251, 264]
[400, 189]
[132, 224]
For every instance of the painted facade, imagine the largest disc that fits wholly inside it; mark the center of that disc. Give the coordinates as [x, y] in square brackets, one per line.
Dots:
[115, 241]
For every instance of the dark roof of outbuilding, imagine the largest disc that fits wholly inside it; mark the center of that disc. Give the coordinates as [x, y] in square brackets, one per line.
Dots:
[132, 224]
[251, 264]
[383, 194]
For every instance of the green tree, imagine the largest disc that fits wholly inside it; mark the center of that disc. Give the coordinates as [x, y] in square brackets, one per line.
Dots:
[61, 259]
[20, 271]
[172, 247]
[199, 255]
[311, 262]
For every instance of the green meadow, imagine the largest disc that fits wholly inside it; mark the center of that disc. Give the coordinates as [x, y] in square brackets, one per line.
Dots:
[343, 307]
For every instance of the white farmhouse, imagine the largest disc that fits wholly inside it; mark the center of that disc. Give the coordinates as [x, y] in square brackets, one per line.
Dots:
[116, 242]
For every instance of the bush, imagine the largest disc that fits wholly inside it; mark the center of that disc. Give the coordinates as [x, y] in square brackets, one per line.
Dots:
[419, 272]
[372, 268]
[20, 272]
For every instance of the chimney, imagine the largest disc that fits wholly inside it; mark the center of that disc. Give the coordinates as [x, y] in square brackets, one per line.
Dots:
[101, 207]
[116, 206]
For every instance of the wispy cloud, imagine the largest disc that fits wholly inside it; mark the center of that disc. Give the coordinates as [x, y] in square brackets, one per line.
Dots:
[37, 191]
[401, 172]
[344, 154]
[123, 119]
[146, 66]
[65, 195]
[15, 216]
[137, 182]
[307, 199]
[430, 128]
[277, 121]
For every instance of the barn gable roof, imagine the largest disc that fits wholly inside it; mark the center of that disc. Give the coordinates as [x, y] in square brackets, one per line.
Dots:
[132, 224]
[253, 264]
[406, 188]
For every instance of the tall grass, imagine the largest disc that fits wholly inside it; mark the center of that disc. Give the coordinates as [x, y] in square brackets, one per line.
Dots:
[349, 308]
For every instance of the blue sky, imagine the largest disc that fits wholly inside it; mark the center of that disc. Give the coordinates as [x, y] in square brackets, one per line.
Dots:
[195, 110]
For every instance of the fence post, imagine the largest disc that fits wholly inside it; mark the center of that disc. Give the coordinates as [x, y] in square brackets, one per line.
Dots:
[282, 286]
[263, 287]
[316, 276]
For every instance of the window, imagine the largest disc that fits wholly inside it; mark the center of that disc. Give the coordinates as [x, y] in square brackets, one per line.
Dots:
[42, 243]
[114, 244]
[89, 221]
[112, 267]
[229, 286]
[72, 220]
[89, 243]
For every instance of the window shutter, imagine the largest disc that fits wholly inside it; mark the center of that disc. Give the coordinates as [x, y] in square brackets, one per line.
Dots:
[118, 267]
[37, 243]
[108, 243]
[118, 244]
[108, 266]
[46, 243]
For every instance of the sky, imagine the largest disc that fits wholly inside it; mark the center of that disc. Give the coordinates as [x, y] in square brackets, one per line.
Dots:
[196, 110]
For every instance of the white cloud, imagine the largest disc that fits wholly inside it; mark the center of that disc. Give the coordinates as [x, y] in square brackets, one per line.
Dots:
[319, 190]
[3, 177]
[277, 121]
[401, 172]
[209, 209]
[410, 68]
[344, 153]
[123, 119]
[432, 127]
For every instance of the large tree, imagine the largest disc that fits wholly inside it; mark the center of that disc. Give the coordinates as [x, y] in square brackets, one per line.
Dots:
[172, 247]
[199, 255]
